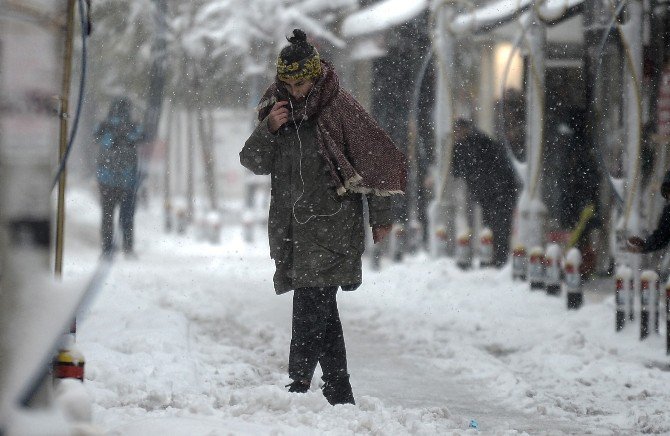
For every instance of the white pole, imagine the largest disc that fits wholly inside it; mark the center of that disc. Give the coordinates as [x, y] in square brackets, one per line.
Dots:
[631, 33]
[442, 209]
[531, 209]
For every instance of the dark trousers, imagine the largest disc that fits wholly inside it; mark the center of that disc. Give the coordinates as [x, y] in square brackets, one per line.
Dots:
[498, 217]
[125, 199]
[317, 335]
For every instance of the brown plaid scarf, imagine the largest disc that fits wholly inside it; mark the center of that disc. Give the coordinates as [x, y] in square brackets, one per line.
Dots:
[361, 156]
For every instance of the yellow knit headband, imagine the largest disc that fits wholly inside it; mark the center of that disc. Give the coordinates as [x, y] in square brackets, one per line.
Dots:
[308, 68]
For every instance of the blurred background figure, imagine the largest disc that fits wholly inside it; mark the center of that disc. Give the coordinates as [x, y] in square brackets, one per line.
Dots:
[117, 138]
[660, 237]
[489, 176]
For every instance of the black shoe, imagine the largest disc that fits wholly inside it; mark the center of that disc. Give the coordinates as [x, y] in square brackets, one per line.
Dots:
[338, 391]
[298, 386]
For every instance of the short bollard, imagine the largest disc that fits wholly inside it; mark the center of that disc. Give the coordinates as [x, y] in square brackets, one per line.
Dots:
[536, 268]
[69, 362]
[464, 251]
[552, 270]
[630, 286]
[486, 248]
[648, 281]
[573, 279]
[519, 263]
[622, 289]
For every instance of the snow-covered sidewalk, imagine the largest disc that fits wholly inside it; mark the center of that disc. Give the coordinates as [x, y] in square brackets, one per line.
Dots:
[190, 339]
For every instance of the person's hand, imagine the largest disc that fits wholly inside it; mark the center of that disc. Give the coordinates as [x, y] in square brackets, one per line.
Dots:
[380, 232]
[278, 116]
[634, 244]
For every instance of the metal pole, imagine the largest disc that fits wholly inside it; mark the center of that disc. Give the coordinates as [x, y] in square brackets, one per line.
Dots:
[631, 38]
[532, 211]
[442, 209]
[65, 99]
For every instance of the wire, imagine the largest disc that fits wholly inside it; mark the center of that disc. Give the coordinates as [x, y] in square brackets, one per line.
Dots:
[297, 132]
[80, 102]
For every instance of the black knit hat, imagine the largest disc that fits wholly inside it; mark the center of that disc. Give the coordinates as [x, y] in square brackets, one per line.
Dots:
[299, 60]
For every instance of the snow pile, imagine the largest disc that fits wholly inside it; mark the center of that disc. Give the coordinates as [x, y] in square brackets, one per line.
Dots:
[190, 339]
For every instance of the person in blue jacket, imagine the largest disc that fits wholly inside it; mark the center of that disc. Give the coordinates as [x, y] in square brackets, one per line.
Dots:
[117, 172]
[660, 237]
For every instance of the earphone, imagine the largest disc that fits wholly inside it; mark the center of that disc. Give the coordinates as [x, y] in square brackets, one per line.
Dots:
[297, 132]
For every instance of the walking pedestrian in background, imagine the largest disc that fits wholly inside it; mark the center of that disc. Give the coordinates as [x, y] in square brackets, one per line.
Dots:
[489, 175]
[118, 137]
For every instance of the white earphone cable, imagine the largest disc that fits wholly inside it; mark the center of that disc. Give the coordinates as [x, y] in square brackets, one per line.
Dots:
[302, 180]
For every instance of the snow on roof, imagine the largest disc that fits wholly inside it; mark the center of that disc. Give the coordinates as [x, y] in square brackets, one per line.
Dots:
[381, 16]
[552, 10]
[488, 16]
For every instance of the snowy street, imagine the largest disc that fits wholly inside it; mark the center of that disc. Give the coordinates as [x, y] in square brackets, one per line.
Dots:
[191, 339]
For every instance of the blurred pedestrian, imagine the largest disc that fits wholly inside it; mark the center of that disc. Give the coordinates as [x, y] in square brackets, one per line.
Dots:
[660, 237]
[323, 151]
[118, 137]
[489, 175]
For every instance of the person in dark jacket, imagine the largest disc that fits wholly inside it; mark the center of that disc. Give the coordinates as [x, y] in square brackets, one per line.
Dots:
[117, 173]
[660, 237]
[489, 176]
[324, 153]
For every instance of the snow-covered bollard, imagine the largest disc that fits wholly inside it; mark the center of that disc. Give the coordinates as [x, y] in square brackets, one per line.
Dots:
[464, 251]
[552, 270]
[648, 285]
[519, 263]
[573, 279]
[623, 288]
[180, 208]
[486, 248]
[536, 268]
[69, 362]
[213, 225]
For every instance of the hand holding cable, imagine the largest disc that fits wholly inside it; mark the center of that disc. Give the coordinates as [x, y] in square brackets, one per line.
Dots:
[278, 116]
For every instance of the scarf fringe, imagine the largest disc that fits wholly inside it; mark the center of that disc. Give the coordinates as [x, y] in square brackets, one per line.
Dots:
[352, 183]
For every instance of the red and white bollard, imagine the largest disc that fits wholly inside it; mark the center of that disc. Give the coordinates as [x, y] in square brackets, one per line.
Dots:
[486, 248]
[573, 279]
[623, 289]
[536, 268]
[464, 251]
[69, 362]
[648, 283]
[552, 270]
[519, 263]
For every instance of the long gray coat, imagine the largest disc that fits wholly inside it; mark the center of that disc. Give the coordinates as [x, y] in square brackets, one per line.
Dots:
[316, 237]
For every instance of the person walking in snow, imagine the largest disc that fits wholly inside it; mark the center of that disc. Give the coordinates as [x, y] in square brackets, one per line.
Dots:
[660, 237]
[324, 153]
[489, 176]
[117, 173]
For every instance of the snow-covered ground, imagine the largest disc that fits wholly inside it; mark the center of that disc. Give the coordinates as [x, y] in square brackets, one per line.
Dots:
[190, 339]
